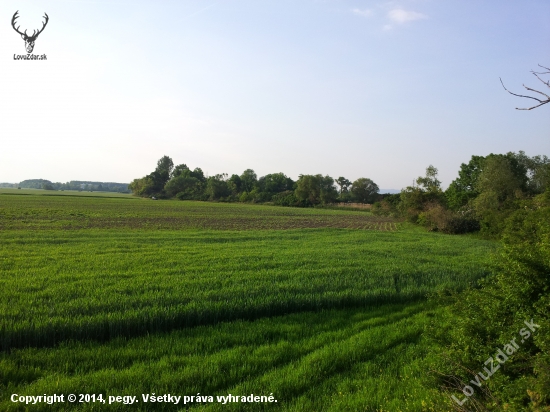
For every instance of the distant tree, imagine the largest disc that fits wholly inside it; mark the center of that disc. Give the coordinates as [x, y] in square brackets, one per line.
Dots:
[537, 169]
[186, 184]
[364, 190]
[464, 188]
[248, 180]
[165, 165]
[34, 183]
[153, 184]
[142, 187]
[315, 189]
[235, 184]
[198, 174]
[427, 193]
[178, 170]
[429, 183]
[499, 188]
[271, 184]
[541, 101]
[47, 186]
[162, 173]
[217, 187]
[344, 184]
[184, 187]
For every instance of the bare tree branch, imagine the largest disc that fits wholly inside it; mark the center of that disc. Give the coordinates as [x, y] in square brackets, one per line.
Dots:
[541, 102]
[537, 75]
[544, 67]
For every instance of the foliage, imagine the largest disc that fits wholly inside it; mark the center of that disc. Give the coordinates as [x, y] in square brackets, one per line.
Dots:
[436, 217]
[286, 198]
[249, 180]
[499, 186]
[487, 190]
[481, 320]
[387, 206]
[414, 200]
[217, 187]
[344, 185]
[364, 190]
[525, 172]
[315, 190]
[464, 188]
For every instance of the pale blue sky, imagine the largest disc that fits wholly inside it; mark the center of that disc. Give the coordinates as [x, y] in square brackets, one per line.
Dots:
[377, 89]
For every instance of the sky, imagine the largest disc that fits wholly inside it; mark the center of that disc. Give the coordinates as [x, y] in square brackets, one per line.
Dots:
[377, 89]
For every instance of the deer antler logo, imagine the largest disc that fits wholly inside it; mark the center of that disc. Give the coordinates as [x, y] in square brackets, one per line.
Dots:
[29, 40]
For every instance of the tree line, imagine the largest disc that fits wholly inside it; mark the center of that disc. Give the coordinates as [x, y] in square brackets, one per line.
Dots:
[180, 182]
[72, 185]
[486, 192]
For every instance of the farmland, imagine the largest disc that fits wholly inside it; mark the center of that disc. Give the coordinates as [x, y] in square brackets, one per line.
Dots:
[118, 295]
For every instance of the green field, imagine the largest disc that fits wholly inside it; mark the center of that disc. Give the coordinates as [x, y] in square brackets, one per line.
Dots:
[116, 295]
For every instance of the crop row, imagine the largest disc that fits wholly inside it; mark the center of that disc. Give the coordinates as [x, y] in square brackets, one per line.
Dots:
[34, 212]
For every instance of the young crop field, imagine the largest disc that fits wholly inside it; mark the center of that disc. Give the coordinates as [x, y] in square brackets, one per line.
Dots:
[68, 210]
[122, 296]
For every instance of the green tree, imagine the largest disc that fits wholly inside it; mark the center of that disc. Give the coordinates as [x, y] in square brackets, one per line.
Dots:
[426, 194]
[142, 187]
[537, 169]
[364, 190]
[184, 187]
[344, 184]
[315, 189]
[165, 165]
[178, 170]
[464, 188]
[162, 173]
[217, 187]
[235, 183]
[429, 183]
[271, 184]
[499, 186]
[248, 180]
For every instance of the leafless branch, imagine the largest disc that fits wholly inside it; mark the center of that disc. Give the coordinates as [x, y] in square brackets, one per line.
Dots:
[541, 102]
[537, 76]
[544, 67]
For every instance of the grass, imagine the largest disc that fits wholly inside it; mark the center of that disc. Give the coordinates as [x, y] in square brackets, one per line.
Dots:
[128, 296]
[349, 359]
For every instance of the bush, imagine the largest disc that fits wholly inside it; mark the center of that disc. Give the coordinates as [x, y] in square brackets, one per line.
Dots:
[384, 208]
[286, 198]
[438, 218]
[483, 319]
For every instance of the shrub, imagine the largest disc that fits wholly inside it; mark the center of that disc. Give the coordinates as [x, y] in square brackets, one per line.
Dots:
[286, 198]
[483, 319]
